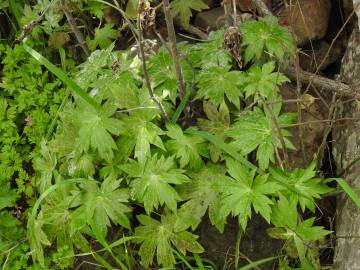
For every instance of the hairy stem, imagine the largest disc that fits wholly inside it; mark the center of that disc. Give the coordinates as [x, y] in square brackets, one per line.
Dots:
[173, 47]
[146, 74]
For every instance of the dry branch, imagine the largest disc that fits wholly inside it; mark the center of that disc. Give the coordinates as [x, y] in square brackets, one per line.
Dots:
[79, 36]
[339, 88]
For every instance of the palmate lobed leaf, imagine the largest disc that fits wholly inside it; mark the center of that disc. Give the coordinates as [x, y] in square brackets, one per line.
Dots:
[218, 123]
[95, 129]
[254, 130]
[200, 195]
[102, 204]
[151, 182]
[209, 54]
[303, 185]
[263, 80]
[103, 37]
[243, 191]
[45, 165]
[163, 75]
[183, 9]
[160, 237]
[284, 216]
[266, 37]
[187, 148]
[217, 82]
[145, 133]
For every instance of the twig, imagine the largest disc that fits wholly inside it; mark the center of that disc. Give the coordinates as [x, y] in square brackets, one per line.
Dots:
[330, 47]
[322, 121]
[79, 36]
[196, 31]
[277, 128]
[173, 47]
[332, 115]
[298, 93]
[28, 28]
[146, 74]
[327, 84]
[195, 39]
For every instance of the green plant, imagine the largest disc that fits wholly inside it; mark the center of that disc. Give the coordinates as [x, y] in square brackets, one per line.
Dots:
[171, 177]
[106, 165]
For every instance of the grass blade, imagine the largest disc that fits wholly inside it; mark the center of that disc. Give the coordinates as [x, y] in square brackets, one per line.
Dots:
[181, 107]
[349, 190]
[96, 231]
[199, 262]
[53, 188]
[257, 263]
[225, 147]
[62, 76]
[183, 259]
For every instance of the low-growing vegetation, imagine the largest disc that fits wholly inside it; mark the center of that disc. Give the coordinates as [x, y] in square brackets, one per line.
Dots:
[111, 156]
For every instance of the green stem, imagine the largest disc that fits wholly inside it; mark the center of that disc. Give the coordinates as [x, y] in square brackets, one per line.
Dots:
[240, 233]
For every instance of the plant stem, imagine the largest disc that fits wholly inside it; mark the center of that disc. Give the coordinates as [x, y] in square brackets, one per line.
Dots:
[79, 36]
[237, 246]
[173, 47]
[146, 74]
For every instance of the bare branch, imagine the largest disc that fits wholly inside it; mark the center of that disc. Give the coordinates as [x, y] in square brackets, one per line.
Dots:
[333, 86]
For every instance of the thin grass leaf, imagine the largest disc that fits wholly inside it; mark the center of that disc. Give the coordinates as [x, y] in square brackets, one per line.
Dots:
[183, 259]
[114, 244]
[63, 77]
[199, 262]
[349, 190]
[16, 11]
[98, 235]
[53, 188]
[257, 263]
[180, 108]
[225, 147]
[103, 262]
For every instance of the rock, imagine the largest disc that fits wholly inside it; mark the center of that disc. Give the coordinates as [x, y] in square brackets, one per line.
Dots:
[211, 3]
[312, 133]
[308, 19]
[215, 18]
[211, 19]
[247, 5]
[311, 59]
